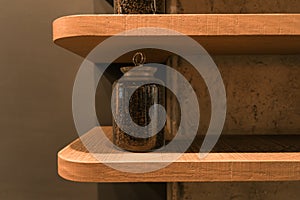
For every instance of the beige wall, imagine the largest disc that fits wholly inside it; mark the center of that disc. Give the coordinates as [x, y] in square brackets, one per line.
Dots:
[36, 80]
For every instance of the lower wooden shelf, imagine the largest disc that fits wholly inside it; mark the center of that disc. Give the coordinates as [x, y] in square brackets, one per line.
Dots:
[234, 158]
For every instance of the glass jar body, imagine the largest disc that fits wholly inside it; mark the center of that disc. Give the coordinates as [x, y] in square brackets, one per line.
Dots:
[139, 104]
[139, 6]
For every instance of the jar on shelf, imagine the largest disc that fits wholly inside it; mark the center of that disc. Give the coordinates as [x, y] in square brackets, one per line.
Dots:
[145, 93]
[139, 6]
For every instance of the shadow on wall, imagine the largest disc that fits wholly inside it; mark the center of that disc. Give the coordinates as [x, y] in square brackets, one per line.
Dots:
[103, 7]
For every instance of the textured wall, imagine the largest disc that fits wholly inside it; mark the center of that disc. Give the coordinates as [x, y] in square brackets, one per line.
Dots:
[233, 6]
[235, 191]
[263, 98]
[263, 93]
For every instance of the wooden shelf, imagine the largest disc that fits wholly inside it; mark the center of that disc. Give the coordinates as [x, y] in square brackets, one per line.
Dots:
[217, 33]
[234, 158]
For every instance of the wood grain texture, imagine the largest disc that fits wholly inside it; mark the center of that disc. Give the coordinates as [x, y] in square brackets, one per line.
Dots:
[235, 158]
[218, 33]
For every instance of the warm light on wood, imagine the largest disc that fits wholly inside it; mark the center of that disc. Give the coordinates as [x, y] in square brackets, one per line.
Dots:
[235, 158]
[253, 33]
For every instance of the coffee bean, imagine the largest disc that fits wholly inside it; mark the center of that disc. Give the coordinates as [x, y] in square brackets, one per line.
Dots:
[140, 102]
[139, 6]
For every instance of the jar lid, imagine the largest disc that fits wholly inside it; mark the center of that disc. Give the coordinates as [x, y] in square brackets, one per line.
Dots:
[139, 59]
[147, 70]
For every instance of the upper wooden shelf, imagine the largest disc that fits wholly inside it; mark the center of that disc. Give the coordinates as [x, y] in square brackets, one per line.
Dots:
[217, 33]
[234, 158]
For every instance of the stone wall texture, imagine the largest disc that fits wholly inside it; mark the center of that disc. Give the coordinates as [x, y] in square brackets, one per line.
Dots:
[233, 6]
[263, 98]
